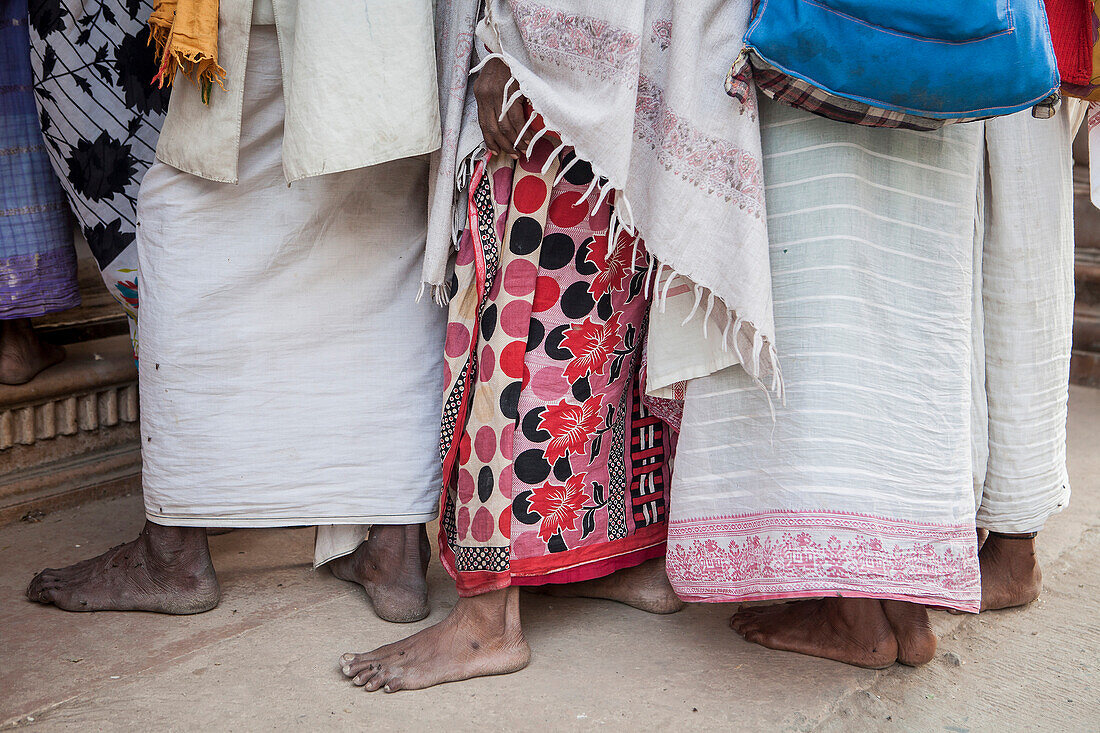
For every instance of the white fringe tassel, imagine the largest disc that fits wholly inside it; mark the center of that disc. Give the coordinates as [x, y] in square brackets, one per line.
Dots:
[481, 64]
[763, 356]
[565, 169]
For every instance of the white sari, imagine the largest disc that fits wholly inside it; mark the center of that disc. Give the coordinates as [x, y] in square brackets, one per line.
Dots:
[863, 484]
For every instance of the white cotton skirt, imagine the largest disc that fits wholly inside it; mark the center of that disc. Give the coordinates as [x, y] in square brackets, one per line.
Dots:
[861, 483]
[288, 375]
[923, 300]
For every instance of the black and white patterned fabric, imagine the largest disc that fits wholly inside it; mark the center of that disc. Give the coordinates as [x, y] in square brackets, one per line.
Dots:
[101, 117]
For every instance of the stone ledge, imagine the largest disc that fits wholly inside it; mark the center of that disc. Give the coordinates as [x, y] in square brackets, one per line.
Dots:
[70, 482]
[88, 366]
[96, 386]
[72, 433]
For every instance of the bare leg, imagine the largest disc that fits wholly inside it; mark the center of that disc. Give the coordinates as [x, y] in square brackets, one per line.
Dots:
[22, 354]
[644, 586]
[481, 636]
[391, 565]
[1010, 571]
[166, 570]
[850, 630]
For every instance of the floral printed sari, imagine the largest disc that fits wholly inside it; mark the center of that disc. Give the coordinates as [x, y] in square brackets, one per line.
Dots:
[555, 469]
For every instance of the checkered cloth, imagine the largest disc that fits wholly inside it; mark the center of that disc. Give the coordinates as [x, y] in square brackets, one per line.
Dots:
[800, 94]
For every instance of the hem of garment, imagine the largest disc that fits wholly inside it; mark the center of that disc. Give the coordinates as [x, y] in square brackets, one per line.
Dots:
[337, 556]
[594, 570]
[543, 565]
[1026, 526]
[704, 596]
[414, 151]
[478, 582]
[791, 554]
[40, 308]
[197, 520]
[165, 158]
[39, 283]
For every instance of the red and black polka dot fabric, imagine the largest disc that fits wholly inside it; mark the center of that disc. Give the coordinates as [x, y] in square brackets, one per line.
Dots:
[555, 470]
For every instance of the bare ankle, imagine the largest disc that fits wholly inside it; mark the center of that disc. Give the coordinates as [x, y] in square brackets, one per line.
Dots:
[496, 612]
[176, 547]
[913, 631]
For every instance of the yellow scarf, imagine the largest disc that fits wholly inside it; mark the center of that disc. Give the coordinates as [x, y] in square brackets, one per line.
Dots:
[186, 36]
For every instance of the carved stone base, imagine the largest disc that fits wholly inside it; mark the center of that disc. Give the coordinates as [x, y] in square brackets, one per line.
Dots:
[71, 433]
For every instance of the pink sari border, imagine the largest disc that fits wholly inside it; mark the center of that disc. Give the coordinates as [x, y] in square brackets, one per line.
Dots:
[965, 606]
[807, 554]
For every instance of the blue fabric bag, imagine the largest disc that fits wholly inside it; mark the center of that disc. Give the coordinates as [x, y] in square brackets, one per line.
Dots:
[901, 63]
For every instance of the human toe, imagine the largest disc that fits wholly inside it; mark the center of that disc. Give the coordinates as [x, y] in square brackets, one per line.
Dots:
[366, 674]
[379, 680]
[357, 665]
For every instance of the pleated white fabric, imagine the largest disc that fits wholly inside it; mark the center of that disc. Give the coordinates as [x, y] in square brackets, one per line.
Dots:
[859, 486]
[1024, 322]
[289, 377]
[862, 484]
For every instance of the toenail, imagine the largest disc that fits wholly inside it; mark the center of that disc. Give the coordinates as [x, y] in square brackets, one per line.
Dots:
[347, 670]
[387, 688]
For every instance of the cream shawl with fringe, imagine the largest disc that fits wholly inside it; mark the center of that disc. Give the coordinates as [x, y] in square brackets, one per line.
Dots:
[637, 88]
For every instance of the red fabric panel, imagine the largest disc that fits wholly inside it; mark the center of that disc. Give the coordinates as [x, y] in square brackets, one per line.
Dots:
[1071, 30]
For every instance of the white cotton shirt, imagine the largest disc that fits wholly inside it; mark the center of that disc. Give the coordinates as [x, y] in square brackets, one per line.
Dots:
[359, 82]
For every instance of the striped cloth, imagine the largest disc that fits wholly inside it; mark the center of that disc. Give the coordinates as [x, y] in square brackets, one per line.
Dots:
[37, 260]
[1025, 313]
[924, 297]
[862, 484]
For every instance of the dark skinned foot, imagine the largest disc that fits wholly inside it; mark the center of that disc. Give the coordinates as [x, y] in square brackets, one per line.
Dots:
[645, 586]
[22, 354]
[481, 636]
[850, 630]
[1010, 572]
[913, 631]
[165, 570]
[391, 565]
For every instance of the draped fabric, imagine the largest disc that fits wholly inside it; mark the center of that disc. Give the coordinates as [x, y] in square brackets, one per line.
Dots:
[555, 467]
[1071, 31]
[1024, 322]
[636, 89]
[287, 375]
[924, 289]
[100, 117]
[37, 260]
[862, 484]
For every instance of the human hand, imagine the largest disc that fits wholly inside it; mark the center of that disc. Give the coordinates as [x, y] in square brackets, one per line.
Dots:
[490, 88]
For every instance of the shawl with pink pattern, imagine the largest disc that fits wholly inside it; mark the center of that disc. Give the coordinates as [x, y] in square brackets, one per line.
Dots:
[637, 88]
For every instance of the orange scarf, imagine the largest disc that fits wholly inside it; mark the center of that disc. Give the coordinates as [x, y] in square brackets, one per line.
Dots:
[186, 36]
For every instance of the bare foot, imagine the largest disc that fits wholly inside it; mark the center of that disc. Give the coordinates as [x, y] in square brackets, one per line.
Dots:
[166, 570]
[1010, 572]
[22, 354]
[913, 630]
[391, 565]
[481, 636]
[644, 586]
[850, 630]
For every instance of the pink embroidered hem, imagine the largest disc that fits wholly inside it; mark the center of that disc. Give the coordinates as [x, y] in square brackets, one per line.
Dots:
[789, 554]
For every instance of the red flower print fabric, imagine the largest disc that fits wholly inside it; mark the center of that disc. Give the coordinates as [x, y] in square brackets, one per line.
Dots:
[559, 506]
[555, 469]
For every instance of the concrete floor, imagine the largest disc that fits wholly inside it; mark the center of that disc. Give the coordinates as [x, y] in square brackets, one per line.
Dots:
[266, 658]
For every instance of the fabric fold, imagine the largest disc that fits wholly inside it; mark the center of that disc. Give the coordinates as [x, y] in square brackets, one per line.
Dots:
[621, 84]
